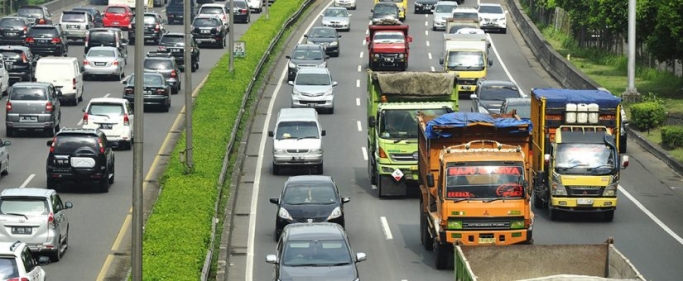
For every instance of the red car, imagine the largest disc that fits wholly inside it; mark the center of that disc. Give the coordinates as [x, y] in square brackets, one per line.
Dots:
[117, 16]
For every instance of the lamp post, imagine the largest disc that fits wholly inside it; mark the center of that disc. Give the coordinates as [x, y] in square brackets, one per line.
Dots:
[187, 75]
[136, 254]
[231, 37]
[631, 94]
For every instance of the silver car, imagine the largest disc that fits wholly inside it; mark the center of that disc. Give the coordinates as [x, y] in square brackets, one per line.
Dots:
[33, 106]
[104, 61]
[442, 11]
[76, 24]
[337, 18]
[313, 87]
[37, 217]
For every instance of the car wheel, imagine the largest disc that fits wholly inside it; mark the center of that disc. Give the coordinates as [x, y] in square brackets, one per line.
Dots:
[103, 184]
[9, 132]
[56, 255]
[276, 169]
[6, 170]
[52, 184]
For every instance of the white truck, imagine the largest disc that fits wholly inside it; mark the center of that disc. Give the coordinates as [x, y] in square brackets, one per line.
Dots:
[466, 55]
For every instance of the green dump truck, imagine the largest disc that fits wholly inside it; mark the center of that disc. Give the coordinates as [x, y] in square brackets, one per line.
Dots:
[587, 262]
[393, 102]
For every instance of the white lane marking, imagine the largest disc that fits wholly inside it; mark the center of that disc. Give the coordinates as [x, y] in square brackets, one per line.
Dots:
[427, 43]
[363, 42]
[359, 68]
[25, 183]
[433, 69]
[429, 55]
[357, 101]
[361, 55]
[426, 33]
[426, 23]
[367, 31]
[107, 95]
[357, 83]
[365, 153]
[502, 64]
[259, 164]
[426, 15]
[360, 128]
[651, 215]
[369, 22]
[385, 228]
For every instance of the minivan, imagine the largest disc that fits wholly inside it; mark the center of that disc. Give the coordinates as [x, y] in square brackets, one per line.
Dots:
[297, 139]
[33, 106]
[175, 11]
[65, 74]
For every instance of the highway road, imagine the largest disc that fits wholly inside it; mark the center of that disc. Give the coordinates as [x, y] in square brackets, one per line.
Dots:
[647, 226]
[96, 218]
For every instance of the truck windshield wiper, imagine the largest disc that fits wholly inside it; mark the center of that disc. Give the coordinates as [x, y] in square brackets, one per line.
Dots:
[600, 166]
[400, 140]
[460, 200]
[307, 137]
[571, 167]
[17, 214]
[494, 199]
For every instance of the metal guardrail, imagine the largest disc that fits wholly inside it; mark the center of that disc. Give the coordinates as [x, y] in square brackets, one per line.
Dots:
[233, 135]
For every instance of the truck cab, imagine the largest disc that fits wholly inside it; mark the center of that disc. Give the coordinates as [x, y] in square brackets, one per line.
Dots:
[467, 57]
[388, 46]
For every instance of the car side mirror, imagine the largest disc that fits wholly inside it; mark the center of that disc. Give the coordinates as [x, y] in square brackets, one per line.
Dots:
[361, 257]
[305, 35]
[346, 199]
[323, 133]
[372, 10]
[334, 83]
[49, 143]
[271, 134]
[7, 143]
[490, 62]
[410, 39]
[82, 68]
[473, 96]
[43, 260]
[68, 205]
[124, 40]
[430, 180]
[290, 83]
[327, 57]
[271, 259]
[441, 61]
[275, 201]
[371, 121]
[338, 35]
[624, 161]
[83, 109]
[288, 57]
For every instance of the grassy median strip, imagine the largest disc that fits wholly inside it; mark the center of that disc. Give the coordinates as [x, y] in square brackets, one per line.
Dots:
[178, 231]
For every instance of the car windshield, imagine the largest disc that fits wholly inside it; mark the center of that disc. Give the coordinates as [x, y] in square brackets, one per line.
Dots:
[303, 54]
[211, 10]
[523, 110]
[444, 8]
[498, 92]
[8, 268]
[101, 36]
[11, 22]
[336, 13]
[313, 79]
[297, 130]
[66, 143]
[465, 60]
[465, 15]
[582, 156]
[381, 10]
[158, 64]
[11, 55]
[206, 22]
[389, 37]
[172, 39]
[109, 109]
[485, 181]
[73, 17]
[306, 194]
[402, 123]
[28, 93]
[322, 33]
[42, 32]
[24, 206]
[311, 253]
[115, 10]
[239, 4]
[30, 12]
[490, 9]
[154, 80]
[101, 53]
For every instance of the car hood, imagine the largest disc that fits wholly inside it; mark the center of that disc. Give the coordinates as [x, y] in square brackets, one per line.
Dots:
[312, 90]
[337, 19]
[317, 40]
[442, 15]
[309, 211]
[491, 16]
[304, 144]
[327, 273]
[493, 106]
[311, 63]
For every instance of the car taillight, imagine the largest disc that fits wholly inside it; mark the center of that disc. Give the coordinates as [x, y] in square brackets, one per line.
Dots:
[18, 279]
[85, 119]
[243, 11]
[129, 90]
[56, 40]
[130, 26]
[160, 91]
[86, 62]
[30, 40]
[8, 106]
[52, 147]
[161, 48]
[24, 58]
[101, 145]
[115, 63]
[41, 21]
[51, 220]
[25, 28]
[157, 27]
[126, 121]
[73, 82]
[49, 107]
[174, 74]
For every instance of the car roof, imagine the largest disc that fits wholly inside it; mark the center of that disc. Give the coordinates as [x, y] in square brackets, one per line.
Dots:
[29, 84]
[309, 179]
[490, 4]
[314, 231]
[150, 74]
[107, 100]
[27, 191]
[116, 5]
[10, 248]
[108, 29]
[212, 5]
[297, 114]
[103, 47]
[322, 70]
[449, 3]
[92, 9]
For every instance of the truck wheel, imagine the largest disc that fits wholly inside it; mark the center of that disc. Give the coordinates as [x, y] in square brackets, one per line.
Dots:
[379, 187]
[538, 202]
[442, 256]
[425, 239]
[622, 144]
[372, 171]
[276, 169]
[553, 214]
[609, 215]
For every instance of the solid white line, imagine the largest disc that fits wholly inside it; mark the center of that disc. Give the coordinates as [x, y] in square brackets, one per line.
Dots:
[107, 95]
[365, 153]
[651, 215]
[367, 31]
[360, 127]
[80, 122]
[357, 101]
[433, 69]
[385, 228]
[361, 55]
[30, 177]
[427, 43]
[359, 68]
[259, 164]
[502, 64]
[357, 83]
[429, 55]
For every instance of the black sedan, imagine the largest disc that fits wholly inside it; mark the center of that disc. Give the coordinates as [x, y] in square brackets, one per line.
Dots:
[174, 43]
[326, 37]
[490, 94]
[241, 11]
[424, 6]
[13, 30]
[209, 29]
[157, 92]
[309, 199]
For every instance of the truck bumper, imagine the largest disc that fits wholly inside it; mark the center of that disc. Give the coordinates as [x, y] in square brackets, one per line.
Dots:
[487, 237]
[390, 186]
[593, 204]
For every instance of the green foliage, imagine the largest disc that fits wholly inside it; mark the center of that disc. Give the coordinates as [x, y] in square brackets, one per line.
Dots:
[672, 136]
[651, 97]
[647, 115]
[178, 232]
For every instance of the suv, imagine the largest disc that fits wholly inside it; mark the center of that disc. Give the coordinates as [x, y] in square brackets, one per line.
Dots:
[93, 12]
[209, 29]
[20, 62]
[38, 14]
[313, 87]
[154, 28]
[113, 116]
[80, 155]
[76, 24]
[241, 12]
[112, 37]
[164, 64]
[33, 106]
[17, 263]
[326, 37]
[174, 43]
[13, 30]
[305, 55]
[47, 40]
[37, 217]
[175, 13]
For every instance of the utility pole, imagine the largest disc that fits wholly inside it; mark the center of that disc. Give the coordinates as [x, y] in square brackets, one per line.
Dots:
[231, 37]
[267, 4]
[631, 94]
[187, 22]
[138, 111]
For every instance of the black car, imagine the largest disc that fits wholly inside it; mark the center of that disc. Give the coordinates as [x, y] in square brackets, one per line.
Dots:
[105, 36]
[305, 55]
[315, 251]
[13, 30]
[424, 6]
[207, 29]
[174, 43]
[164, 64]
[490, 94]
[94, 13]
[327, 37]
[20, 62]
[47, 40]
[154, 28]
[38, 14]
[80, 155]
[175, 11]
[308, 199]
[385, 13]
[241, 12]
[157, 92]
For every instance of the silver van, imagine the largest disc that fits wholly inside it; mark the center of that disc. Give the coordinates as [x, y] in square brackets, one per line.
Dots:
[33, 106]
[297, 139]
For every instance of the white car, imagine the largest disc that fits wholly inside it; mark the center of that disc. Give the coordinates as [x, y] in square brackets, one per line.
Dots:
[442, 11]
[470, 30]
[17, 263]
[4, 76]
[4, 157]
[215, 9]
[349, 4]
[114, 116]
[255, 5]
[492, 17]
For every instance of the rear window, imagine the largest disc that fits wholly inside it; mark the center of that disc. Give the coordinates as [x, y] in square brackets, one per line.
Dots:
[158, 64]
[108, 109]
[211, 10]
[27, 12]
[8, 268]
[173, 39]
[28, 93]
[147, 20]
[240, 4]
[73, 17]
[148, 81]
[102, 36]
[11, 55]
[42, 32]
[115, 10]
[67, 144]
[24, 206]
[206, 22]
[101, 53]
[10, 22]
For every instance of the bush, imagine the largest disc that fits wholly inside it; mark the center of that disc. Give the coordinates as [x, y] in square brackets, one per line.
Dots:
[672, 136]
[647, 115]
[178, 231]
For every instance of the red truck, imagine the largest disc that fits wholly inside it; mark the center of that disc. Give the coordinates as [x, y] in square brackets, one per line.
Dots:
[388, 46]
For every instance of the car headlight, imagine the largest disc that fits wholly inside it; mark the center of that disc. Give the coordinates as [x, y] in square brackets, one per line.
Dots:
[278, 151]
[335, 213]
[329, 92]
[481, 19]
[296, 92]
[556, 188]
[292, 65]
[400, 56]
[610, 190]
[316, 150]
[334, 43]
[284, 214]
[377, 55]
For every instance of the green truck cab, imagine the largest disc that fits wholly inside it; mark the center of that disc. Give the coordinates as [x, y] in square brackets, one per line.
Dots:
[393, 102]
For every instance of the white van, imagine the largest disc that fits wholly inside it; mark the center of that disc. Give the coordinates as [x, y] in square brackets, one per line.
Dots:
[65, 74]
[297, 139]
[129, 3]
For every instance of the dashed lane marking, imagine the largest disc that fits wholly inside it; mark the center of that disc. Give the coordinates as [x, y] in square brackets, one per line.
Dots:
[385, 228]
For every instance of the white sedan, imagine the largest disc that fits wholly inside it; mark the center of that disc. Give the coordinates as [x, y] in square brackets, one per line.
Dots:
[104, 61]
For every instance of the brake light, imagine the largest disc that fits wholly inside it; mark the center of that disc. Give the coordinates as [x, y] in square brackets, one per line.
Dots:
[30, 40]
[18, 279]
[49, 107]
[56, 40]
[126, 121]
[174, 74]
[115, 63]
[52, 147]
[157, 27]
[25, 28]
[243, 11]
[24, 58]
[41, 21]
[86, 62]
[130, 26]
[87, 38]
[161, 48]
[382, 154]
[8, 106]
[51, 220]
[129, 90]
[99, 143]
[160, 91]
[73, 81]
[85, 119]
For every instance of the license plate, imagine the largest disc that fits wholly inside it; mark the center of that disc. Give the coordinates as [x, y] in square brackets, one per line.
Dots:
[147, 93]
[73, 27]
[487, 240]
[115, 23]
[584, 201]
[28, 119]
[43, 40]
[312, 104]
[388, 59]
[106, 126]
[11, 34]
[62, 161]
[175, 50]
[100, 63]
[206, 31]
[21, 230]
[299, 159]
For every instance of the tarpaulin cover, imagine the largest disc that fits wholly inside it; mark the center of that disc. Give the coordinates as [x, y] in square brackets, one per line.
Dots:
[558, 98]
[409, 83]
[464, 119]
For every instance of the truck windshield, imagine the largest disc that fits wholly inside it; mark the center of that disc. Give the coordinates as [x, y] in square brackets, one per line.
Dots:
[383, 10]
[389, 37]
[483, 182]
[402, 123]
[465, 60]
[577, 157]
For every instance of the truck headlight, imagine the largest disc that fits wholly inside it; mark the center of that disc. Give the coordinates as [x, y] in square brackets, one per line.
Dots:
[557, 189]
[454, 224]
[377, 55]
[284, 214]
[517, 224]
[400, 56]
[292, 65]
[610, 190]
[335, 213]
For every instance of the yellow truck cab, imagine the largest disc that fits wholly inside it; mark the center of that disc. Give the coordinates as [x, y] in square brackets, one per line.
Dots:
[402, 7]
[467, 57]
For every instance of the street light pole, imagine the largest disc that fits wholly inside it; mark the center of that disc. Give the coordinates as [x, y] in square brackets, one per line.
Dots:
[138, 139]
[187, 22]
[631, 94]
[231, 37]
[267, 4]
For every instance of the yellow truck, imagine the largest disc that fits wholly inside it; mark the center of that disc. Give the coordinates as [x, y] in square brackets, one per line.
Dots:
[467, 57]
[402, 7]
[576, 149]
[586, 262]
[473, 176]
